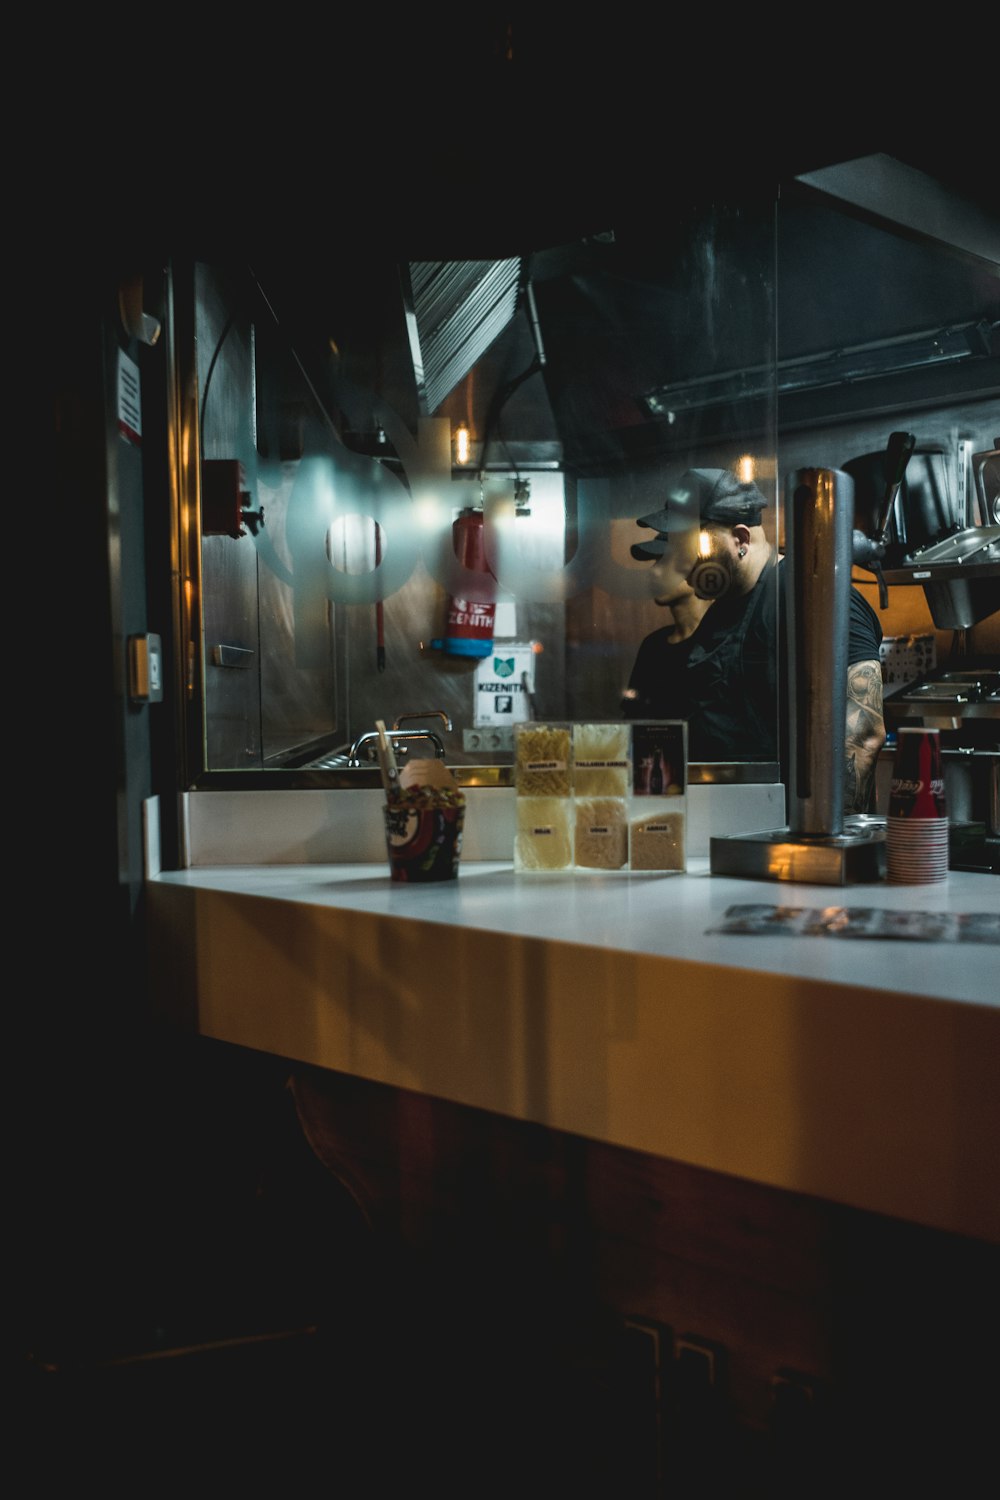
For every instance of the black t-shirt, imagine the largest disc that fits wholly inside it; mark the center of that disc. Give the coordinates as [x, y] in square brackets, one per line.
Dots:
[727, 679]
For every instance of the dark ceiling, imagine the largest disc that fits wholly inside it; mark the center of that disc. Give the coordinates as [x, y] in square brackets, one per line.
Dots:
[426, 133]
[485, 135]
[844, 280]
[328, 156]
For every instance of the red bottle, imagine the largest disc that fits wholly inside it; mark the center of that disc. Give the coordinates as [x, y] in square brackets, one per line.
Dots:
[469, 631]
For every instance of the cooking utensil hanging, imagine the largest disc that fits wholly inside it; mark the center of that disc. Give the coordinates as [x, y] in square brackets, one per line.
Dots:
[869, 551]
[379, 609]
[899, 450]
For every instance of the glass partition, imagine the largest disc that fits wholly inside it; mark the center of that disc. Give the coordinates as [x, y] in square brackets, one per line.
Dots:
[431, 520]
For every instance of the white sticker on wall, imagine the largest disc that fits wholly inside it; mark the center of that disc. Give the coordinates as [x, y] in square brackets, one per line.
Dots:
[505, 622]
[505, 681]
[129, 399]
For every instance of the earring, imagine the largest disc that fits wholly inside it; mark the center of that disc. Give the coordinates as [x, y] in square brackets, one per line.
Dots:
[742, 552]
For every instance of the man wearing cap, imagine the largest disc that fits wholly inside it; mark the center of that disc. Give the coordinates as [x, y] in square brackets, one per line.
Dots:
[720, 663]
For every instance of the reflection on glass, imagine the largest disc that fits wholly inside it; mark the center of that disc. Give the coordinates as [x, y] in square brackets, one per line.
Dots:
[342, 596]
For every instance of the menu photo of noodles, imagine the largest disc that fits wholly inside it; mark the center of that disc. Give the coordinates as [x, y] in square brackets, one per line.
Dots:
[657, 840]
[601, 759]
[543, 760]
[543, 838]
[601, 796]
[601, 834]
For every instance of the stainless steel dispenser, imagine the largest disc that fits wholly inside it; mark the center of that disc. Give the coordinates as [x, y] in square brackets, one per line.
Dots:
[814, 846]
[819, 507]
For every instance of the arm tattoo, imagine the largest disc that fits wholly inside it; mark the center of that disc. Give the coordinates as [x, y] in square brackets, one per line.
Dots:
[865, 735]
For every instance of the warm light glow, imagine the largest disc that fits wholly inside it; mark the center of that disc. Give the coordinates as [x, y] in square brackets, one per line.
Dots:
[427, 513]
[462, 444]
[704, 544]
[746, 469]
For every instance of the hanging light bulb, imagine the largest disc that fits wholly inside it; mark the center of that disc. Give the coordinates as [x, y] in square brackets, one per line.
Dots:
[462, 444]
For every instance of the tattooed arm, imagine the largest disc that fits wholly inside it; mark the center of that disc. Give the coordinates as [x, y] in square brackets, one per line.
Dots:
[865, 735]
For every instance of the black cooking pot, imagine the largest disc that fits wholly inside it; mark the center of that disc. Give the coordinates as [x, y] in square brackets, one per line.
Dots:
[923, 509]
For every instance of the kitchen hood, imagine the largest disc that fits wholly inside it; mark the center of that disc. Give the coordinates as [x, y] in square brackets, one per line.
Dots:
[454, 311]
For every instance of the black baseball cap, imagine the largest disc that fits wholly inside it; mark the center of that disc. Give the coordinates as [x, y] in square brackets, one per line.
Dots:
[705, 495]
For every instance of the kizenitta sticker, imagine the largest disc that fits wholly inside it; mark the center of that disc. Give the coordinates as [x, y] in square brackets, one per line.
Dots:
[504, 685]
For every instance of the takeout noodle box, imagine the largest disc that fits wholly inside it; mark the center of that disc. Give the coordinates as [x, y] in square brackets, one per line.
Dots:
[423, 833]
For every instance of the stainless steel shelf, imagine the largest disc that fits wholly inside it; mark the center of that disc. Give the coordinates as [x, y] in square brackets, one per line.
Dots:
[941, 572]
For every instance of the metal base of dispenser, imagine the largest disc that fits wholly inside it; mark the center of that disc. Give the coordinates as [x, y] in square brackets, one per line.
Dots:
[856, 856]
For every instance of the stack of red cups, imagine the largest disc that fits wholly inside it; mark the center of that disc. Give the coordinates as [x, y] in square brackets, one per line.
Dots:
[916, 836]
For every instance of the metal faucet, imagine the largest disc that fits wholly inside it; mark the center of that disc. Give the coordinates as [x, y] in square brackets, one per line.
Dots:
[431, 713]
[401, 741]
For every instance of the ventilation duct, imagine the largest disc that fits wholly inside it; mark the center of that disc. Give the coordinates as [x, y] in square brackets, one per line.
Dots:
[454, 311]
[939, 346]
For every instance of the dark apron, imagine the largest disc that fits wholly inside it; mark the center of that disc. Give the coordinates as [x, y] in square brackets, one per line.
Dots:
[732, 680]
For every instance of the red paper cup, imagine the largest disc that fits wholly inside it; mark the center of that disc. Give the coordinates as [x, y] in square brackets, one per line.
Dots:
[917, 789]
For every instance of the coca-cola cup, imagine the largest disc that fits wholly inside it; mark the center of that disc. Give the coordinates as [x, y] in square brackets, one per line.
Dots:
[917, 824]
[917, 789]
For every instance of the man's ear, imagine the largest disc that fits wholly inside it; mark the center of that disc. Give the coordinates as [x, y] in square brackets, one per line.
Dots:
[742, 535]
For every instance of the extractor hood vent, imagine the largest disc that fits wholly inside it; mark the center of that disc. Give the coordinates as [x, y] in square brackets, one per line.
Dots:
[454, 311]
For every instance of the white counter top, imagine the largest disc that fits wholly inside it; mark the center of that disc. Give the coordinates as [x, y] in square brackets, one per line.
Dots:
[859, 1070]
[664, 915]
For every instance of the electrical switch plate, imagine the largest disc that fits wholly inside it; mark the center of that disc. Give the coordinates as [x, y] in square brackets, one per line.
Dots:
[145, 668]
[492, 739]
